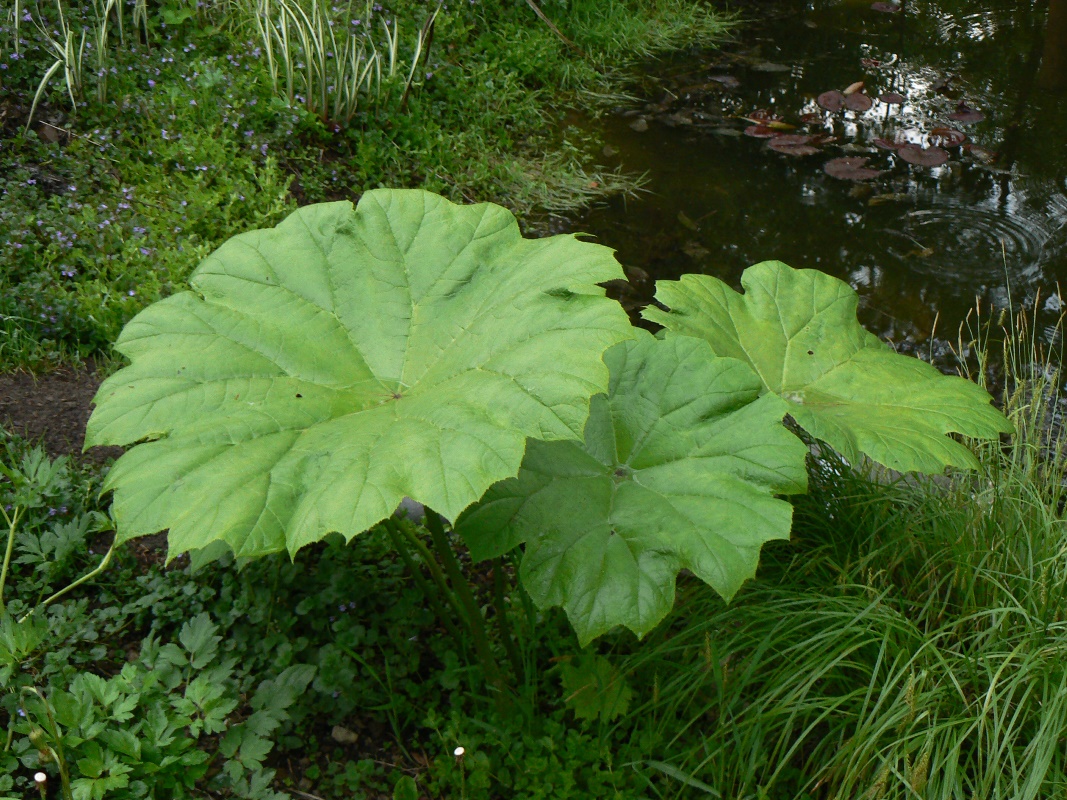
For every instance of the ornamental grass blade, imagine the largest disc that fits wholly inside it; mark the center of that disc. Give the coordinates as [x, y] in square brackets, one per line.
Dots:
[679, 469]
[324, 369]
[798, 330]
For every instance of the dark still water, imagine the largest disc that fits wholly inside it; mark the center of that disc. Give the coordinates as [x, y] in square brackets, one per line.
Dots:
[980, 86]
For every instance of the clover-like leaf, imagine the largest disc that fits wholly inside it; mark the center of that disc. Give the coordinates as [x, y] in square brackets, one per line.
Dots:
[326, 368]
[679, 468]
[798, 330]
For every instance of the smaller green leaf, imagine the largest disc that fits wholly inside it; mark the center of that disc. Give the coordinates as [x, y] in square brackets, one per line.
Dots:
[406, 789]
[593, 689]
[798, 330]
[679, 469]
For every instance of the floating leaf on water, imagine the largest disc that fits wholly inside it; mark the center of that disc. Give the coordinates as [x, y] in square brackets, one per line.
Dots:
[966, 115]
[922, 157]
[811, 119]
[886, 144]
[852, 168]
[893, 197]
[853, 88]
[947, 137]
[761, 115]
[726, 131]
[767, 66]
[832, 100]
[979, 153]
[727, 81]
[858, 102]
[870, 63]
[760, 132]
[793, 145]
[686, 221]
[886, 8]
[892, 98]
[778, 125]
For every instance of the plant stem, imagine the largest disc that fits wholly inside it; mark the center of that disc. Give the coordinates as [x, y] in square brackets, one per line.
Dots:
[435, 572]
[475, 620]
[14, 521]
[86, 577]
[500, 605]
[397, 538]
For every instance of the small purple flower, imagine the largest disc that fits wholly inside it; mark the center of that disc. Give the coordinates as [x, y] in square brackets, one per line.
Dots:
[131, 293]
[151, 83]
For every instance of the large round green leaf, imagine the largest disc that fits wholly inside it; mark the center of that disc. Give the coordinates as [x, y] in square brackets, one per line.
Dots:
[327, 368]
[798, 330]
[679, 469]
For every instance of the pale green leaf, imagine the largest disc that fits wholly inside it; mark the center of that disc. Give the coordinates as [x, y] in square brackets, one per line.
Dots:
[679, 469]
[798, 330]
[324, 369]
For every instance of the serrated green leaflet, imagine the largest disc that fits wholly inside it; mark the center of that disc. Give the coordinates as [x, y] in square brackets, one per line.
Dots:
[798, 330]
[327, 368]
[679, 469]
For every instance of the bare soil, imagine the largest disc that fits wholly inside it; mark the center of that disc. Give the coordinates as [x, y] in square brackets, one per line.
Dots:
[53, 409]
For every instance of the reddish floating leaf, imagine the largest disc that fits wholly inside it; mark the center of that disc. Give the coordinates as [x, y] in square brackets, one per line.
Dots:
[763, 115]
[858, 102]
[760, 132]
[852, 168]
[966, 115]
[892, 98]
[947, 137]
[922, 157]
[886, 8]
[811, 119]
[886, 144]
[793, 145]
[832, 100]
[871, 63]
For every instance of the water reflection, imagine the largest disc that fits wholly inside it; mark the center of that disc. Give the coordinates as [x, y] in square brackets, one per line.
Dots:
[917, 242]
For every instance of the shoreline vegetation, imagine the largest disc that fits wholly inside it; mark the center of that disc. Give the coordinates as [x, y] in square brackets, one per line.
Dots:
[165, 131]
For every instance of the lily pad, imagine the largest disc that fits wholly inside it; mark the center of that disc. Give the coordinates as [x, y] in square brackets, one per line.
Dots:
[922, 156]
[858, 101]
[965, 115]
[843, 385]
[323, 370]
[892, 98]
[850, 168]
[811, 118]
[832, 100]
[679, 470]
[794, 145]
[760, 132]
[947, 137]
[887, 144]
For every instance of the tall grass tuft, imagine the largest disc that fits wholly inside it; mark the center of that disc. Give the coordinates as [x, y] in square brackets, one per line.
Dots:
[911, 641]
[334, 75]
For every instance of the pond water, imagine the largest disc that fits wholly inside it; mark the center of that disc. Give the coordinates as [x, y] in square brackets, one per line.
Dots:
[917, 242]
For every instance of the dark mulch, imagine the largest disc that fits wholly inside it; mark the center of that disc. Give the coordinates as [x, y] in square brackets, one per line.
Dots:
[52, 408]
